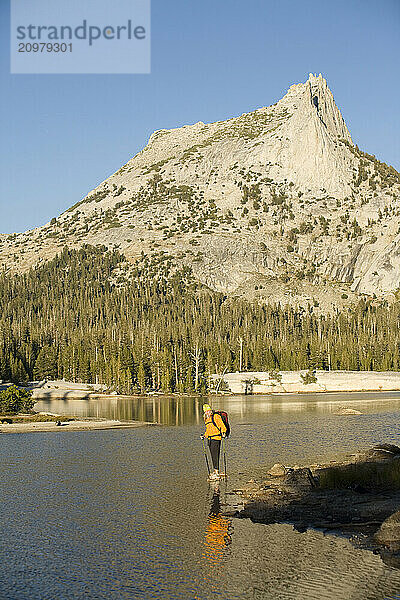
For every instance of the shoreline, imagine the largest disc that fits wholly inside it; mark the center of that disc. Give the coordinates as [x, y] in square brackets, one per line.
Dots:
[73, 395]
[76, 425]
[288, 383]
[311, 381]
[356, 496]
[55, 394]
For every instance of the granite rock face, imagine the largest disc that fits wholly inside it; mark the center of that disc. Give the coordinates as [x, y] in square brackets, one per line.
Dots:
[276, 204]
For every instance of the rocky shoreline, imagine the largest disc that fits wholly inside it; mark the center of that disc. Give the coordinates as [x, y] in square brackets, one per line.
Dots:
[287, 382]
[306, 382]
[358, 498]
[68, 390]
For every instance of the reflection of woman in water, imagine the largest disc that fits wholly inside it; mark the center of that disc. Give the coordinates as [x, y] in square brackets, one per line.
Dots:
[217, 536]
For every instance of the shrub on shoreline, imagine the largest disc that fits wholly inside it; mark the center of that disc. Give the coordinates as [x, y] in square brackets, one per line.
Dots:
[14, 400]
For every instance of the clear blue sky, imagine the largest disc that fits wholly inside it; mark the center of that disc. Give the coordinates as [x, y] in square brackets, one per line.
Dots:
[61, 135]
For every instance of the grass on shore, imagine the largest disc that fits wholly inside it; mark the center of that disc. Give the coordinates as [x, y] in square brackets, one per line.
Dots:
[365, 475]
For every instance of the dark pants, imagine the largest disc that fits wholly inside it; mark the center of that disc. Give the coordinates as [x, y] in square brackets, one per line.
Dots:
[215, 447]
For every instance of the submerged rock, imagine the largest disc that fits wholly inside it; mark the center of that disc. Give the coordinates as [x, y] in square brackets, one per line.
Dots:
[347, 411]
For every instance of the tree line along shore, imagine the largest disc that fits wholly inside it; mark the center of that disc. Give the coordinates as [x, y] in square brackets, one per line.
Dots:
[89, 316]
[273, 382]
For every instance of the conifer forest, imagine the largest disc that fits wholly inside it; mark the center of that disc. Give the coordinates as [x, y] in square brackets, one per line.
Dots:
[90, 316]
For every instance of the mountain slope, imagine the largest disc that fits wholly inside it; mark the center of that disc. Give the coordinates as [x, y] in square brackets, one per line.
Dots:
[277, 203]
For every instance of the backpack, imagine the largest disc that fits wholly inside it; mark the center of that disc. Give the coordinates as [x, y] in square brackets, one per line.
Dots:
[225, 419]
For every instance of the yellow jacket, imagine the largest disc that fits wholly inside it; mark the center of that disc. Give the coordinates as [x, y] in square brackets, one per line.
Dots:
[214, 430]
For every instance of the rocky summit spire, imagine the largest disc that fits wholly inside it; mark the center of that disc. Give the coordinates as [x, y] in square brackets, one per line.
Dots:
[309, 150]
[322, 101]
[314, 98]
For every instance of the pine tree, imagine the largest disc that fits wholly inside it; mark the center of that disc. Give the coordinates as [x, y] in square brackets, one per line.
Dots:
[141, 377]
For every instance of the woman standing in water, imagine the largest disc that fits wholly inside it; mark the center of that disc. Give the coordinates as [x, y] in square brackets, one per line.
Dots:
[215, 431]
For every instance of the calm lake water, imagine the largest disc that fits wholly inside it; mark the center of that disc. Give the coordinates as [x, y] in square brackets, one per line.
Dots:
[124, 514]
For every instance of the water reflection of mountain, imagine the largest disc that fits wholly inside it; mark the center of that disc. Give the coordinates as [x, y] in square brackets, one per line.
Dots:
[183, 410]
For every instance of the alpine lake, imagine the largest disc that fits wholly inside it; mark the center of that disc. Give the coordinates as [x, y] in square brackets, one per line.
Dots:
[129, 513]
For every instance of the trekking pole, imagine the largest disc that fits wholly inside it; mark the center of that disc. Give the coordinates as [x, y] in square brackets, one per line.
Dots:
[206, 457]
[223, 448]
